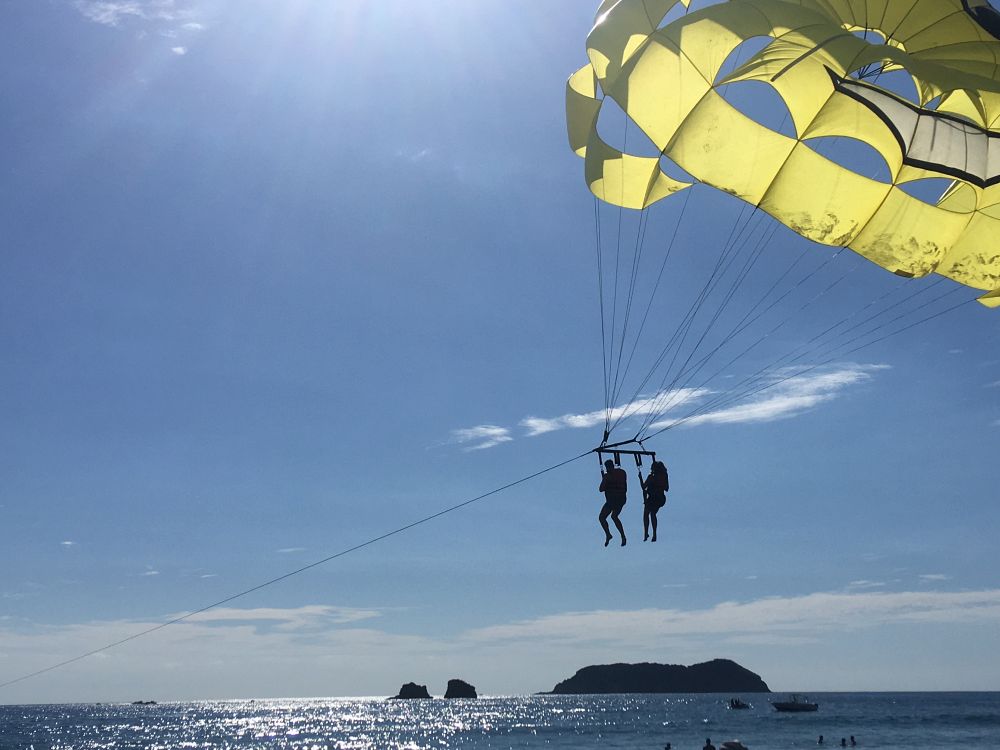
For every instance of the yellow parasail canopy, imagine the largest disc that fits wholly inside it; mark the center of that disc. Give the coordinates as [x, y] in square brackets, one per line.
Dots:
[666, 77]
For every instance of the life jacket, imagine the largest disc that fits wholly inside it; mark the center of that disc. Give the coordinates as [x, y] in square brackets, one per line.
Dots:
[615, 482]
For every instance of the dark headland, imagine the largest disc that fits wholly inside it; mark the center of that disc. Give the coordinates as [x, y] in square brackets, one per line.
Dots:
[716, 676]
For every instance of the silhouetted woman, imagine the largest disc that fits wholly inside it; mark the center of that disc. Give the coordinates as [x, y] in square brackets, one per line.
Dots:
[654, 489]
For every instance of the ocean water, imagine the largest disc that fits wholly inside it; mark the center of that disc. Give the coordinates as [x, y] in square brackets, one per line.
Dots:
[932, 721]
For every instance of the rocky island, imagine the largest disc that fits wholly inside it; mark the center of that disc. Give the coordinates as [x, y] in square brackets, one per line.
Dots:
[460, 689]
[716, 676]
[411, 690]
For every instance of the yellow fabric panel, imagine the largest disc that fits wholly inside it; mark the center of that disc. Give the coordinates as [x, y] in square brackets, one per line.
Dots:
[582, 108]
[660, 68]
[820, 199]
[965, 104]
[620, 34]
[974, 260]
[626, 180]
[961, 197]
[663, 79]
[954, 27]
[803, 86]
[842, 117]
[904, 19]
[905, 234]
[726, 149]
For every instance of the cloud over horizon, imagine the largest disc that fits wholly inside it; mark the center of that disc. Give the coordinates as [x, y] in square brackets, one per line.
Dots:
[319, 648]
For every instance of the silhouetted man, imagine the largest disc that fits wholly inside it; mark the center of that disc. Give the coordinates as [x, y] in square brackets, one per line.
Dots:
[614, 485]
[708, 744]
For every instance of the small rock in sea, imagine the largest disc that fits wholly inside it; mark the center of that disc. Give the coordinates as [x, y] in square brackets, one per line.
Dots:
[412, 690]
[460, 689]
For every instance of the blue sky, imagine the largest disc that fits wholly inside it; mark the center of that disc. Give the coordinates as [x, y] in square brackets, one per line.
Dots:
[279, 277]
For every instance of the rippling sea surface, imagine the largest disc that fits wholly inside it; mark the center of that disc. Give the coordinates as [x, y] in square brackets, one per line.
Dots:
[933, 721]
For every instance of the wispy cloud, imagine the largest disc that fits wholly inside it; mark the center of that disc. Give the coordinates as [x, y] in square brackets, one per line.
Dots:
[480, 437]
[316, 649]
[179, 50]
[994, 384]
[167, 18]
[68, 543]
[290, 550]
[865, 584]
[806, 614]
[639, 408]
[934, 577]
[785, 395]
[151, 573]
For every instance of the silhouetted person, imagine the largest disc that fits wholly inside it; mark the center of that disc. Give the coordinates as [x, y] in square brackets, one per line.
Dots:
[708, 744]
[654, 496]
[820, 740]
[853, 743]
[843, 742]
[614, 485]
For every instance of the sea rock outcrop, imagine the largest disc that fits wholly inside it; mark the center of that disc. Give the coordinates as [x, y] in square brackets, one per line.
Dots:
[716, 676]
[460, 689]
[412, 690]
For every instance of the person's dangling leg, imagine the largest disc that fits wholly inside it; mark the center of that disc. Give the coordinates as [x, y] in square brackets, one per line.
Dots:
[603, 518]
[618, 523]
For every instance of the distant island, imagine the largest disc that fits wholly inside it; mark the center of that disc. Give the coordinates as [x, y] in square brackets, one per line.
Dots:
[716, 676]
[411, 691]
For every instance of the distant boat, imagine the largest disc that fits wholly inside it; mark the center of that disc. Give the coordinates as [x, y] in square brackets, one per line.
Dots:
[797, 704]
[735, 703]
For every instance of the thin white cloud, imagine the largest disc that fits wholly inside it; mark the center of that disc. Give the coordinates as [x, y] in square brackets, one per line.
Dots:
[806, 614]
[865, 584]
[298, 618]
[934, 577]
[323, 650]
[179, 50]
[785, 398]
[209, 575]
[151, 573]
[994, 384]
[639, 408]
[413, 155]
[291, 550]
[114, 12]
[480, 437]
[68, 543]
[168, 18]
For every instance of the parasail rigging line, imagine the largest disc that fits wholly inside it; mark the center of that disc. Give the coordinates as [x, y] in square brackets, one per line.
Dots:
[653, 418]
[636, 258]
[665, 391]
[728, 398]
[600, 291]
[680, 333]
[297, 571]
[741, 276]
[656, 286]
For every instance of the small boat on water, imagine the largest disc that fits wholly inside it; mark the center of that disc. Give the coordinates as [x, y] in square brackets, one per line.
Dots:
[736, 703]
[797, 704]
[733, 745]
